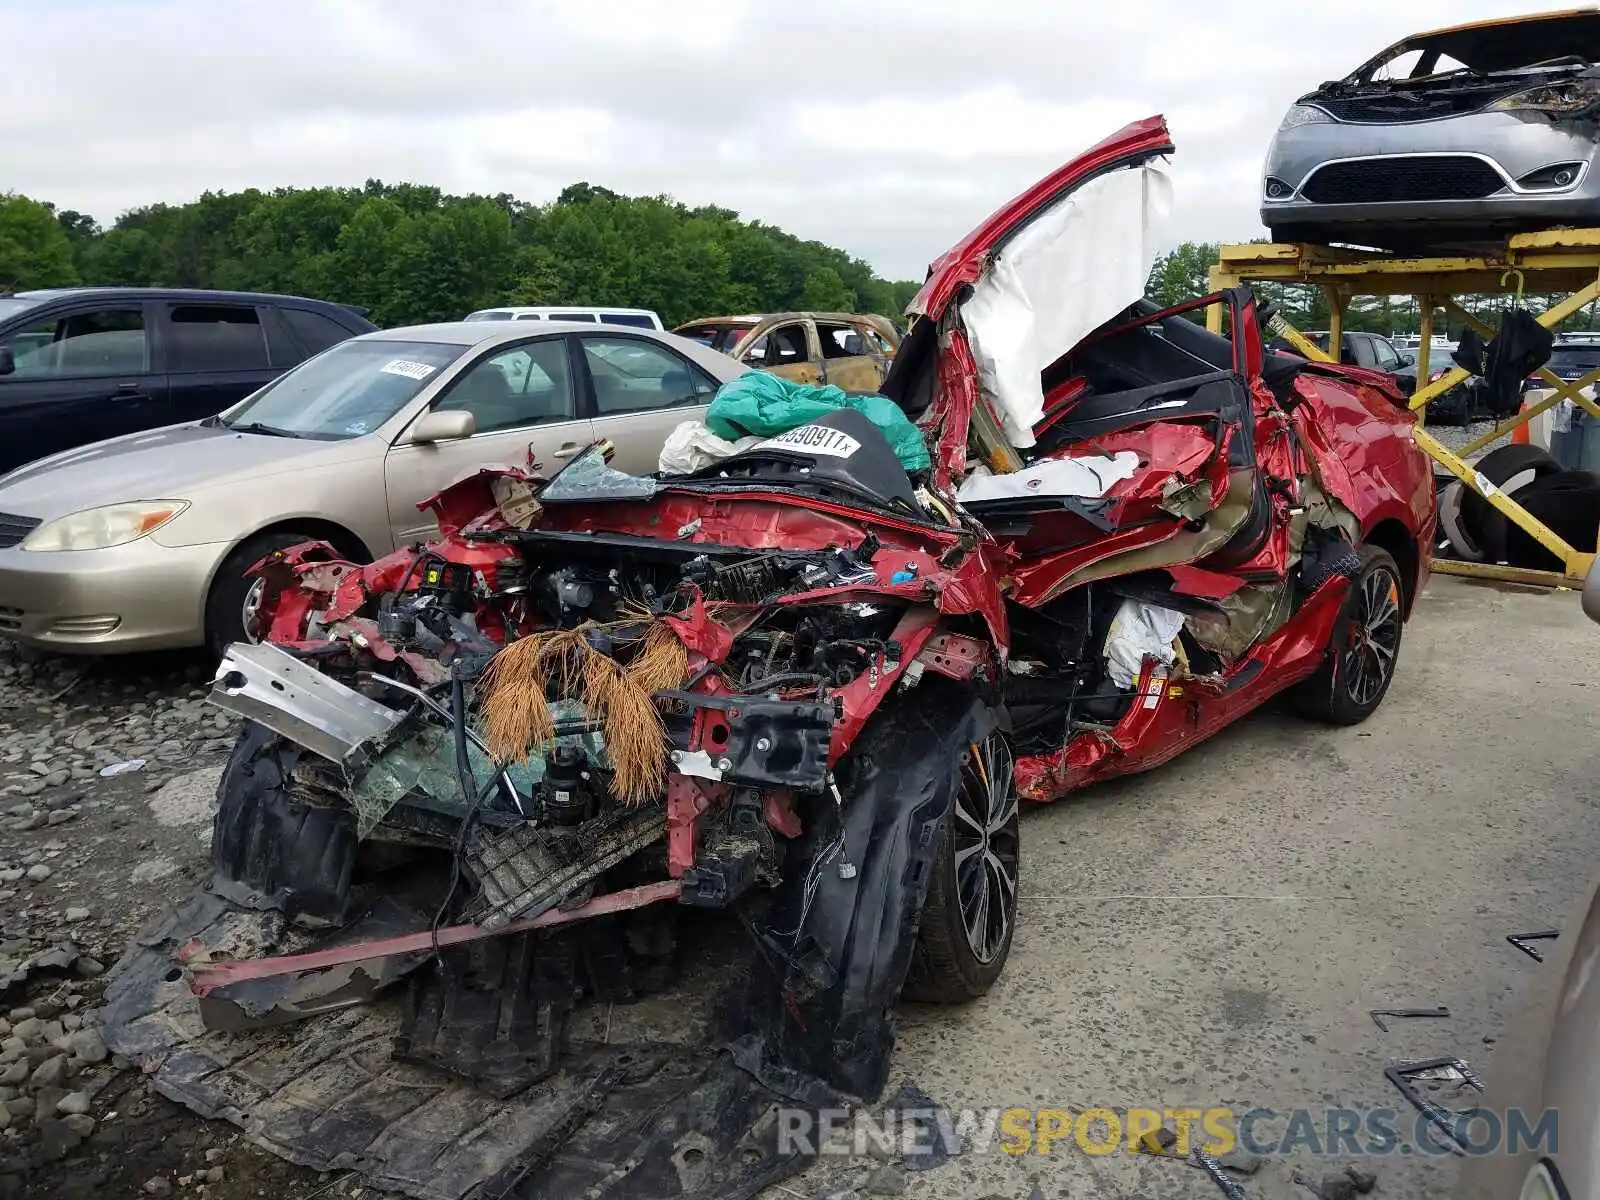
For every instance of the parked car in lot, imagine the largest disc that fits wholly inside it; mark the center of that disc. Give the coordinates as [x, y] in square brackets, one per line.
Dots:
[639, 318]
[81, 364]
[1374, 352]
[1446, 138]
[1409, 347]
[848, 350]
[142, 541]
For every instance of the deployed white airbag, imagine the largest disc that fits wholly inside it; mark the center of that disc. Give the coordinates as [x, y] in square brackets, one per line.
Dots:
[1088, 477]
[693, 447]
[1137, 632]
[1065, 273]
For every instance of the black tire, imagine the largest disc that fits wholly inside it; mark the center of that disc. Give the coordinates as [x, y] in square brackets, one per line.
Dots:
[1566, 502]
[225, 603]
[1459, 537]
[963, 943]
[1364, 650]
[1515, 470]
[1510, 468]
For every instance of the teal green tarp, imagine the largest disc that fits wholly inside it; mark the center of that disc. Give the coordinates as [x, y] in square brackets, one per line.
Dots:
[763, 405]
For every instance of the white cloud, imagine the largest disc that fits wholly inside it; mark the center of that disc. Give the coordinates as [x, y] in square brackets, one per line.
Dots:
[889, 130]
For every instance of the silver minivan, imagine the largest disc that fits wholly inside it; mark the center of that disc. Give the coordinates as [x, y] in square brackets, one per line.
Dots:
[639, 318]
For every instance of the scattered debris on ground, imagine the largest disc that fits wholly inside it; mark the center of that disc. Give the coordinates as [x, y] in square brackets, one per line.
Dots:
[1522, 941]
[1378, 1014]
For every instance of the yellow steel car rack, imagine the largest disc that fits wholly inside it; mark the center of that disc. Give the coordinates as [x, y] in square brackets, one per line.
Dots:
[1555, 261]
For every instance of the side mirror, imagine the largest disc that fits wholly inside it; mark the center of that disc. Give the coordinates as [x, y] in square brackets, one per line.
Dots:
[8, 361]
[448, 426]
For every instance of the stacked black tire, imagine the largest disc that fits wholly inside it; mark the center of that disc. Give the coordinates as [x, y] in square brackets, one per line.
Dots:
[1567, 502]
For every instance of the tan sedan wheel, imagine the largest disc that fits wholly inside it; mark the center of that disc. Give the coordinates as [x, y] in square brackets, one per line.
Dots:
[234, 605]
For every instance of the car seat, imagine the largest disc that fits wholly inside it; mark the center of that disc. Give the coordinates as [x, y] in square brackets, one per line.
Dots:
[486, 394]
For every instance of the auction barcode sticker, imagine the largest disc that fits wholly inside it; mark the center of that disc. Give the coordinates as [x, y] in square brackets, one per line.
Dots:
[404, 366]
[817, 439]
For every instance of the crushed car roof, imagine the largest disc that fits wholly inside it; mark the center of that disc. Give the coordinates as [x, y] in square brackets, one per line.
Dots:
[1507, 43]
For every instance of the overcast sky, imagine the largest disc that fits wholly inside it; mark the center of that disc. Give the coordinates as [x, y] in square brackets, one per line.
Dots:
[888, 127]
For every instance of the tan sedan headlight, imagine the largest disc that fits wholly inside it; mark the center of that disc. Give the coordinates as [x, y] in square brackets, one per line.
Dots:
[104, 527]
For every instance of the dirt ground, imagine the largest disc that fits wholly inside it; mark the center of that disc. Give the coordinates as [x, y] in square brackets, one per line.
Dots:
[1213, 933]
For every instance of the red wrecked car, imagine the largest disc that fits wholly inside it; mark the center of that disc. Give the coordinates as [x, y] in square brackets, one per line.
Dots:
[774, 716]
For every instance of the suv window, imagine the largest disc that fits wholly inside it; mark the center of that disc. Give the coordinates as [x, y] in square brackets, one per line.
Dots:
[215, 337]
[1388, 360]
[529, 384]
[1360, 350]
[315, 331]
[637, 320]
[632, 375]
[109, 342]
[573, 317]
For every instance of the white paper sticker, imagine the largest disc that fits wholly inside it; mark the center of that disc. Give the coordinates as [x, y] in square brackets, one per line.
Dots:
[813, 439]
[1488, 489]
[1152, 695]
[404, 366]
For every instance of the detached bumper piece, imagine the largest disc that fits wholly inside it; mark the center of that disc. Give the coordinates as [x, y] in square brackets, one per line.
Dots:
[451, 1093]
[274, 688]
[492, 1012]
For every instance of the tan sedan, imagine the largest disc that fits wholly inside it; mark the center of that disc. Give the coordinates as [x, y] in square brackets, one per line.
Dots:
[141, 542]
[848, 350]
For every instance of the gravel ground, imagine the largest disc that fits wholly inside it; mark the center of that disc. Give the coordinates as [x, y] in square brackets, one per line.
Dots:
[1210, 933]
[85, 860]
[1455, 437]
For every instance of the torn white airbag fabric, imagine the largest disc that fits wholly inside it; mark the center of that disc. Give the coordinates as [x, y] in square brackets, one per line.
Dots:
[1070, 269]
[1140, 631]
[1088, 477]
[692, 447]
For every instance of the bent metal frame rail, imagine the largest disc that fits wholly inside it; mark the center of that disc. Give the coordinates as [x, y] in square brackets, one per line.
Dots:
[1552, 261]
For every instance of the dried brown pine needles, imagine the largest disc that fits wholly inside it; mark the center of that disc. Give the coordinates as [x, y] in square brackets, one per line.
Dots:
[516, 687]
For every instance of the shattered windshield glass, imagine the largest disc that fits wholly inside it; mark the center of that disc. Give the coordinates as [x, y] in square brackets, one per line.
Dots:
[587, 477]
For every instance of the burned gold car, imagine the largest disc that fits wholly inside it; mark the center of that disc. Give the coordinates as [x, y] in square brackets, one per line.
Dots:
[773, 716]
[847, 350]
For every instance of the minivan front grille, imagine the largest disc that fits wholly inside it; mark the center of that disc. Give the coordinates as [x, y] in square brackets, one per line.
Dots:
[14, 528]
[1386, 180]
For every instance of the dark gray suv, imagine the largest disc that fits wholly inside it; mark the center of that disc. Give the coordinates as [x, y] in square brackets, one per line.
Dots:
[81, 364]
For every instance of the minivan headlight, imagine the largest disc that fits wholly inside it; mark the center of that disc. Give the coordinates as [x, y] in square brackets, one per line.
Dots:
[104, 527]
[1304, 114]
[1569, 96]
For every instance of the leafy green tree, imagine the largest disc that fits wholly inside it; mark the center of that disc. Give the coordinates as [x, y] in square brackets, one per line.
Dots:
[825, 292]
[409, 252]
[34, 249]
[1183, 273]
